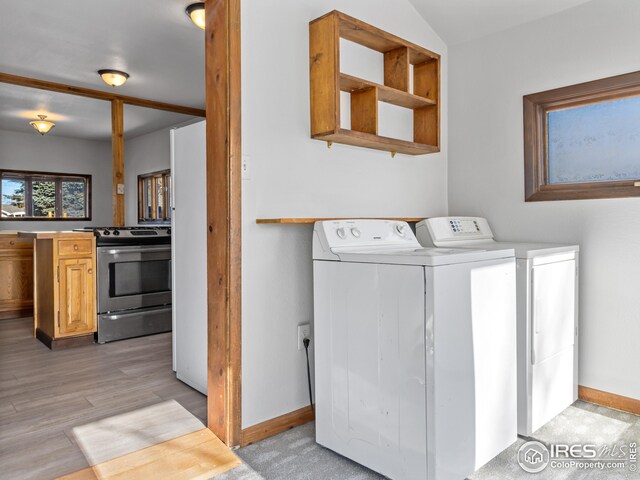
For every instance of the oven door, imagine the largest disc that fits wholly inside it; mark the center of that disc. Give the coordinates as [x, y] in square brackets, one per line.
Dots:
[133, 277]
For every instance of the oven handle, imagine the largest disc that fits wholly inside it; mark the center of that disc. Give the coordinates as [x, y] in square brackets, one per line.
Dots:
[116, 251]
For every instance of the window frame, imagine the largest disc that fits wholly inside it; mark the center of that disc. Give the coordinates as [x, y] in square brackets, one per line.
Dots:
[57, 178]
[535, 109]
[166, 200]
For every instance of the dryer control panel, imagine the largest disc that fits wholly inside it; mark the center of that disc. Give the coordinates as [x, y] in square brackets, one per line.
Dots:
[449, 231]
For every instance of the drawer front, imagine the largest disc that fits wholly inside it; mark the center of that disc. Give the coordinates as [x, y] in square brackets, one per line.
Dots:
[82, 247]
[13, 243]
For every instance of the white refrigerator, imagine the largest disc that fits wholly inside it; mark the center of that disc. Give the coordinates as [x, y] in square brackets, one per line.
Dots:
[189, 253]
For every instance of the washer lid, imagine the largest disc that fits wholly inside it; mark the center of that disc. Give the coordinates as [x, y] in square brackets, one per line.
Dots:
[421, 256]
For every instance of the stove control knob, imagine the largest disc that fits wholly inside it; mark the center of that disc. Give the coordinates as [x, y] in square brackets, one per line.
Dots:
[355, 232]
[341, 233]
[116, 232]
[168, 231]
[106, 232]
[400, 229]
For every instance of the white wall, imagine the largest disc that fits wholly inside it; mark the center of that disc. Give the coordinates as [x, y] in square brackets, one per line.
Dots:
[487, 81]
[49, 153]
[144, 154]
[292, 175]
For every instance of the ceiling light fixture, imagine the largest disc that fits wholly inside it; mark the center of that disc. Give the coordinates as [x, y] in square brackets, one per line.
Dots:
[196, 14]
[42, 126]
[115, 78]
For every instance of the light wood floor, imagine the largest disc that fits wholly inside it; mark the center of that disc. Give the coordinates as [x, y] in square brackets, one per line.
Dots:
[44, 394]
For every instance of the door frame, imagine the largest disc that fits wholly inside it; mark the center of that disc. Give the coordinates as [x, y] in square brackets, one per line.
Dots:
[224, 221]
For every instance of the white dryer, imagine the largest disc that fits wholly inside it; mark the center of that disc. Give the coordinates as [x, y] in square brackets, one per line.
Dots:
[415, 350]
[547, 300]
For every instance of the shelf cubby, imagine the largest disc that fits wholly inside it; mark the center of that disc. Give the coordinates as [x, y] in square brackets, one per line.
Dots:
[327, 81]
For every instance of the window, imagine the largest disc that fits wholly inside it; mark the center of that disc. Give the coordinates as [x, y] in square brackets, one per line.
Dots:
[154, 197]
[45, 196]
[583, 141]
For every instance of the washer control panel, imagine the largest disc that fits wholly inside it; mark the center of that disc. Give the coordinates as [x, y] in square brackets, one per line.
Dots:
[360, 233]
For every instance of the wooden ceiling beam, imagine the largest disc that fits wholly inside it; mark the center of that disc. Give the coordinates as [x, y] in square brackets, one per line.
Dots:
[98, 94]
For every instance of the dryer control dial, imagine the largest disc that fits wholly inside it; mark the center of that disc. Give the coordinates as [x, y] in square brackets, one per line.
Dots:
[400, 229]
[341, 232]
[355, 232]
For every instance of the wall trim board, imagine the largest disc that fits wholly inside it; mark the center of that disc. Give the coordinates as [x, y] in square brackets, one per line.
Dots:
[224, 219]
[97, 94]
[277, 425]
[611, 400]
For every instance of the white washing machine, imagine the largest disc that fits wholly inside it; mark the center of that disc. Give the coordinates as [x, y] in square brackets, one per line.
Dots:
[415, 350]
[547, 301]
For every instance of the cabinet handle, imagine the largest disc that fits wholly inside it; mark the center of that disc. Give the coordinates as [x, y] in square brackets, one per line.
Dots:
[12, 243]
[75, 247]
[90, 271]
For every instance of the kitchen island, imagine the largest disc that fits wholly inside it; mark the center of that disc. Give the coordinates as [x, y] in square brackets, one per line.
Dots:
[64, 293]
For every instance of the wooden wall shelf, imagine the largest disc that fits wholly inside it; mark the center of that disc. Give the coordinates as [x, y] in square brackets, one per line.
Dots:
[399, 56]
[303, 221]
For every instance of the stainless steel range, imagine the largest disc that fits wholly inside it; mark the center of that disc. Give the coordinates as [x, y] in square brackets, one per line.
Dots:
[134, 281]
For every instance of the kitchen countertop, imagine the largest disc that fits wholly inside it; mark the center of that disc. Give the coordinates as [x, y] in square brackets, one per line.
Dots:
[50, 235]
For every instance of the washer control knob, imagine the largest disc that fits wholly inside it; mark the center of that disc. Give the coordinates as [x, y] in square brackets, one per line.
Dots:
[355, 232]
[400, 229]
[341, 233]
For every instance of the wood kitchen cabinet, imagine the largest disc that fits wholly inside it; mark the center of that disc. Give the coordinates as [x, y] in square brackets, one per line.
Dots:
[16, 272]
[64, 288]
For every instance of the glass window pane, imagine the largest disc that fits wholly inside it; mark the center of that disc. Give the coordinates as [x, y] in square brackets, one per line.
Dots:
[73, 199]
[595, 143]
[43, 195]
[159, 198]
[148, 192]
[13, 190]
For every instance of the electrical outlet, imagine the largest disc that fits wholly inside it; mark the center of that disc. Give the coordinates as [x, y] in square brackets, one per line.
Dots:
[304, 331]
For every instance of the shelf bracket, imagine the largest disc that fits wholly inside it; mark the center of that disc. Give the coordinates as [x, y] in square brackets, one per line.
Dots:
[329, 143]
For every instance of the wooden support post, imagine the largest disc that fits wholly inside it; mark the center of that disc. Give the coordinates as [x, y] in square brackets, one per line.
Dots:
[117, 152]
[224, 252]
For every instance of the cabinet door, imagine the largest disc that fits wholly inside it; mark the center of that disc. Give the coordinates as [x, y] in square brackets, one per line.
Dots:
[77, 314]
[16, 272]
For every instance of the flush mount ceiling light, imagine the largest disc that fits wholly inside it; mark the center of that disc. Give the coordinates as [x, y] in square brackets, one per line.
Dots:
[42, 126]
[115, 78]
[196, 14]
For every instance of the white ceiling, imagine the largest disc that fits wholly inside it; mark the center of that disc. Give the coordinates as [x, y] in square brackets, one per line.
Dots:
[68, 41]
[458, 21]
[76, 117]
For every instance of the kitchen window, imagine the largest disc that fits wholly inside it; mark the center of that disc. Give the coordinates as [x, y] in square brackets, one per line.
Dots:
[154, 197]
[583, 141]
[44, 196]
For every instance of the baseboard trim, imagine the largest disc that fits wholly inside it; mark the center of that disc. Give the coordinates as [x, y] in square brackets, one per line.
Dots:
[11, 314]
[611, 400]
[276, 425]
[65, 342]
